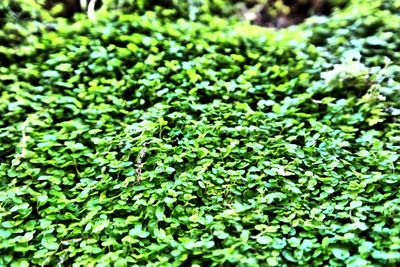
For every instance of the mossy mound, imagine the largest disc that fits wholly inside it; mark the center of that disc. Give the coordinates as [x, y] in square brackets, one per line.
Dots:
[138, 139]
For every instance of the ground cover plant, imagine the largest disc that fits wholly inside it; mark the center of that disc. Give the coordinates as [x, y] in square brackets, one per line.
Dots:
[179, 135]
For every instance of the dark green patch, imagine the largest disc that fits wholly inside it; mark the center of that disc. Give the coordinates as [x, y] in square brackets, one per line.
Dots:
[140, 139]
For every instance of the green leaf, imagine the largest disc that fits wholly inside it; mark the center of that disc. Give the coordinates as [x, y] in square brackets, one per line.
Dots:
[263, 240]
[341, 253]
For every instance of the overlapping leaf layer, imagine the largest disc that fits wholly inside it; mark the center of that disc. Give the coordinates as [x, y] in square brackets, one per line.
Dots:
[143, 140]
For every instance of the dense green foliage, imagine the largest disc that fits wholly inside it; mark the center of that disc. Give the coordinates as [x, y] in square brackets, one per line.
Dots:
[139, 139]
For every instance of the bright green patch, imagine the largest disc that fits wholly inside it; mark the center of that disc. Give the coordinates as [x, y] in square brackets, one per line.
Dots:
[138, 139]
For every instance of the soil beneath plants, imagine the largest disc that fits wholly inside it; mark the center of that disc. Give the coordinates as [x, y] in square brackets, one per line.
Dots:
[273, 14]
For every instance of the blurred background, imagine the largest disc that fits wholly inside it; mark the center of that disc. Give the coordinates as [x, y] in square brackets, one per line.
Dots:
[270, 13]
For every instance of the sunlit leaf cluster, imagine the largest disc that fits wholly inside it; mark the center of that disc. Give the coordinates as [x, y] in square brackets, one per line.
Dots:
[143, 139]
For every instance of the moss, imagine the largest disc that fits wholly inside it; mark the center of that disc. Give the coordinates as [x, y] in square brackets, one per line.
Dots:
[145, 138]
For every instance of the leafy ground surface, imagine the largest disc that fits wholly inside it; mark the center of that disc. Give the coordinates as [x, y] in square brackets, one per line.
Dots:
[141, 139]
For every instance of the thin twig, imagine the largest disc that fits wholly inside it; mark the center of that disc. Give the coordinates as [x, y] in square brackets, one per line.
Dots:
[22, 143]
[139, 161]
[90, 10]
